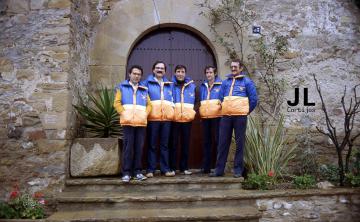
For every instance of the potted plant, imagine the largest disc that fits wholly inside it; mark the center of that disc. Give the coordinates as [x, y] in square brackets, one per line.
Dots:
[98, 155]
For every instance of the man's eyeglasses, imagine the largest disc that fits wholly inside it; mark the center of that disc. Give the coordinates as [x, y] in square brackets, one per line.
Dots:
[159, 68]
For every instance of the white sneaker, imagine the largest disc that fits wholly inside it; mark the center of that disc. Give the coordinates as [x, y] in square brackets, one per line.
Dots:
[149, 175]
[140, 177]
[187, 172]
[170, 174]
[126, 178]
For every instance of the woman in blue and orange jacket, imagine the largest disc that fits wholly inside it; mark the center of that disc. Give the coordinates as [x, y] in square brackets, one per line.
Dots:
[184, 99]
[132, 102]
[210, 113]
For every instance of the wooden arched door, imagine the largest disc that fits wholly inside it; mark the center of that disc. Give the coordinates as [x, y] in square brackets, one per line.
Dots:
[176, 46]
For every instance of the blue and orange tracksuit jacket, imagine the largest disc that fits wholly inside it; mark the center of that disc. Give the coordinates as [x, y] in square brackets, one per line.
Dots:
[238, 95]
[161, 99]
[184, 99]
[133, 104]
[210, 103]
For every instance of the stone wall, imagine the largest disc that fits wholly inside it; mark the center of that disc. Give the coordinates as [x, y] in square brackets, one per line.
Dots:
[51, 49]
[35, 99]
[323, 39]
[336, 205]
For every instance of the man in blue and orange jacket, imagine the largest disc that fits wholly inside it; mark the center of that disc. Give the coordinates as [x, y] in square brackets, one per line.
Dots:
[239, 99]
[132, 102]
[160, 117]
[210, 113]
[184, 99]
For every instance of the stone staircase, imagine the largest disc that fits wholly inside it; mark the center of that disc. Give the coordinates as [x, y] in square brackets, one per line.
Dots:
[180, 198]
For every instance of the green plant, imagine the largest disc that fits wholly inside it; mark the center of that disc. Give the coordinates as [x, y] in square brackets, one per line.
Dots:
[259, 182]
[342, 142]
[23, 206]
[355, 164]
[266, 148]
[7, 212]
[304, 182]
[275, 87]
[352, 180]
[329, 172]
[101, 118]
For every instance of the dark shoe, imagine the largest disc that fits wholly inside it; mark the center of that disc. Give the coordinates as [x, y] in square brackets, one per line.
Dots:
[205, 171]
[215, 175]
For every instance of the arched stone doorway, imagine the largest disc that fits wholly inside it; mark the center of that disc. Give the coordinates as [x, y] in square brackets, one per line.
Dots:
[176, 46]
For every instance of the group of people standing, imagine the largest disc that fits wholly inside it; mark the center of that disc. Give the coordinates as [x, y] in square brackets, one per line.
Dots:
[164, 111]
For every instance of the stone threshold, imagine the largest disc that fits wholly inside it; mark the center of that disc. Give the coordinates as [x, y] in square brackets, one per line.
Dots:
[179, 214]
[178, 179]
[180, 196]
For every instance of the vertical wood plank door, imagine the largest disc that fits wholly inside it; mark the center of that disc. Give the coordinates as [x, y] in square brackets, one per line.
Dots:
[177, 46]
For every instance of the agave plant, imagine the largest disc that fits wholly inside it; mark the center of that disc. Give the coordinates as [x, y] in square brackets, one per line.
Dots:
[266, 148]
[101, 118]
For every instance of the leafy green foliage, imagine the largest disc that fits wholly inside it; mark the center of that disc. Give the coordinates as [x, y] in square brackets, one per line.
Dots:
[352, 180]
[329, 172]
[7, 212]
[266, 148]
[304, 182]
[275, 87]
[22, 206]
[101, 118]
[259, 182]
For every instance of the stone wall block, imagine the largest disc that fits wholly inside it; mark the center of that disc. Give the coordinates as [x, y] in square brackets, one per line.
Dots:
[38, 4]
[94, 157]
[18, 6]
[59, 4]
[54, 120]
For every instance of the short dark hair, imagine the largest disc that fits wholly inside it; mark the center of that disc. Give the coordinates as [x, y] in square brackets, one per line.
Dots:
[210, 67]
[158, 62]
[180, 67]
[136, 67]
[238, 61]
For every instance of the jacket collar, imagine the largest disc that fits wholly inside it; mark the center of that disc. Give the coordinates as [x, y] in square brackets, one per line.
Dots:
[241, 75]
[187, 81]
[217, 81]
[140, 85]
[151, 78]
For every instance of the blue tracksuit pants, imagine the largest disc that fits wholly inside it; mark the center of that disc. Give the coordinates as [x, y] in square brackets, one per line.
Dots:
[132, 149]
[210, 129]
[158, 130]
[227, 125]
[180, 132]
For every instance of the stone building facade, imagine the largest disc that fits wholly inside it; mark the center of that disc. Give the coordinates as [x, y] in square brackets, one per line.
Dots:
[52, 51]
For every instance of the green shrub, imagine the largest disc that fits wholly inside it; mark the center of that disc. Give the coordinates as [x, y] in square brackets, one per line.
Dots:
[23, 206]
[329, 172]
[7, 212]
[101, 118]
[259, 182]
[304, 182]
[352, 180]
[266, 148]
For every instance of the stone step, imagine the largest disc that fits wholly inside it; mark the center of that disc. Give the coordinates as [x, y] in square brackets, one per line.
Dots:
[69, 201]
[244, 213]
[158, 183]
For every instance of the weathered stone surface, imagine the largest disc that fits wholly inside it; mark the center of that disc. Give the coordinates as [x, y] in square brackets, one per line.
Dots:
[19, 6]
[38, 4]
[324, 185]
[51, 146]
[59, 4]
[5, 65]
[94, 157]
[54, 120]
